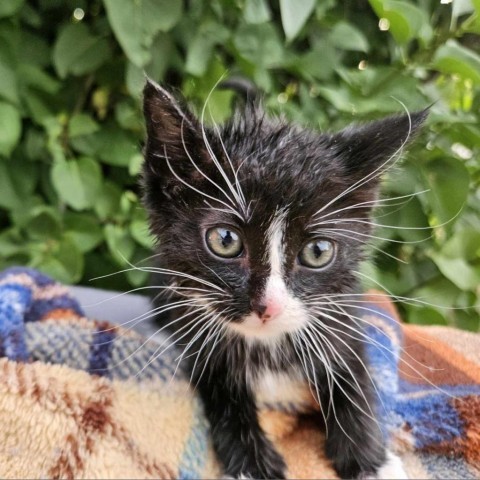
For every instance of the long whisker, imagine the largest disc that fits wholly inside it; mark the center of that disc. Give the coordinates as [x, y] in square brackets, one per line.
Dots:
[241, 197]
[375, 173]
[321, 311]
[218, 334]
[372, 203]
[208, 325]
[164, 271]
[367, 235]
[147, 287]
[370, 340]
[152, 312]
[301, 356]
[365, 242]
[327, 328]
[158, 354]
[229, 208]
[150, 338]
[204, 175]
[214, 159]
[382, 298]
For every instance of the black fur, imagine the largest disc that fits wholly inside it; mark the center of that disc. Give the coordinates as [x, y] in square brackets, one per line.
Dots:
[279, 166]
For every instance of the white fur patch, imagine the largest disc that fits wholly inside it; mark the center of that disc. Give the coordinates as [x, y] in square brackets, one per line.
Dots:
[292, 316]
[291, 387]
[392, 468]
[291, 319]
[275, 234]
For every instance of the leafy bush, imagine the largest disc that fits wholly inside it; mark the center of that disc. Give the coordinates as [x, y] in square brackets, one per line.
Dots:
[71, 74]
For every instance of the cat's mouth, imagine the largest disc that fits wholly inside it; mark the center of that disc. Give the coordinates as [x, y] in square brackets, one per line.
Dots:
[272, 324]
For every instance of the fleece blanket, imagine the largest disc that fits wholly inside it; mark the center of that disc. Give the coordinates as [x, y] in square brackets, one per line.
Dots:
[80, 398]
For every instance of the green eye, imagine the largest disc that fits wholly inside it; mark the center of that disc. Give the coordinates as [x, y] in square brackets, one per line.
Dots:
[317, 254]
[224, 242]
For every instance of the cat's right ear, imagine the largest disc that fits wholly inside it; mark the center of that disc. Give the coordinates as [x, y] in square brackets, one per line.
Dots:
[173, 132]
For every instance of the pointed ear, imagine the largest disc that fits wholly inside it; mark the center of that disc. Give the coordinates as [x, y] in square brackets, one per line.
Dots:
[172, 130]
[367, 147]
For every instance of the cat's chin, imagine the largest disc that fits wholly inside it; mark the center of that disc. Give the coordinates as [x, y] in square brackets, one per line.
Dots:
[252, 328]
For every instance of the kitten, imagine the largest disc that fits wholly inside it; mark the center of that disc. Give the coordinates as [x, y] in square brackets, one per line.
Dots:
[260, 227]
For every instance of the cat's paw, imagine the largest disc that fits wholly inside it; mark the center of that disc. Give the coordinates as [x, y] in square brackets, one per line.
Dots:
[392, 469]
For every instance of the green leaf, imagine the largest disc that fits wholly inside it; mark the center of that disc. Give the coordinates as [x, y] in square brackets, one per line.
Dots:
[62, 261]
[440, 291]
[44, 224]
[120, 243]
[11, 243]
[139, 230]
[8, 77]
[453, 58]
[34, 76]
[476, 4]
[426, 316]
[10, 128]
[139, 277]
[111, 144]
[409, 222]
[82, 124]
[200, 50]
[319, 62]
[10, 7]
[465, 243]
[256, 11]
[9, 197]
[458, 271]
[448, 180]
[117, 148]
[83, 230]
[406, 20]
[77, 51]
[77, 182]
[462, 7]
[347, 37]
[136, 163]
[136, 22]
[259, 44]
[294, 15]
[467, 320]
[107, 202]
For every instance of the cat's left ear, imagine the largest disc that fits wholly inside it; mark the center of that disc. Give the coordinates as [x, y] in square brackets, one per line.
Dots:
[173, 132]
[366, 148]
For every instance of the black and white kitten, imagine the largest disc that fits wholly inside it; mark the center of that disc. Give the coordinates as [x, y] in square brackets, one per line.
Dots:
[260, 227]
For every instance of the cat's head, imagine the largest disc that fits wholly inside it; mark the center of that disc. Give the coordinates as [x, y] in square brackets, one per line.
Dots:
[260, 222]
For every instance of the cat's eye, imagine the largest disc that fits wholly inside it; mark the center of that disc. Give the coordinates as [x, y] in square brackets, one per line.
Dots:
[224, 242]
[317, 254]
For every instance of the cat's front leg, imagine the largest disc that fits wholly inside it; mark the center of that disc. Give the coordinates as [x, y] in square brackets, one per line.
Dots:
[239, 441]
[355, 442]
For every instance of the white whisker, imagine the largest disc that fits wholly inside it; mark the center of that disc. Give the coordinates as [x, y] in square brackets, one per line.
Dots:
[374, 174]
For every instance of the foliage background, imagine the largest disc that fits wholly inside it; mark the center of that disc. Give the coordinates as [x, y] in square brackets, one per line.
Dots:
[71, 73]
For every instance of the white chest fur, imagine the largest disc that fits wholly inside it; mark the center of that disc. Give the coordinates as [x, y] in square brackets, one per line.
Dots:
[282, 388]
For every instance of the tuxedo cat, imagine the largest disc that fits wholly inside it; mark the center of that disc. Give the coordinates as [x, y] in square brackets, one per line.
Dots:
[261, 226]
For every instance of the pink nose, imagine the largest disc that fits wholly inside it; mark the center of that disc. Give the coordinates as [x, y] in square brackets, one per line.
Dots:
[267, 310]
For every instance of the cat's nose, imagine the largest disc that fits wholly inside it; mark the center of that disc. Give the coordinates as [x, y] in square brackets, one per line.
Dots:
[266, 309]
[259, 308]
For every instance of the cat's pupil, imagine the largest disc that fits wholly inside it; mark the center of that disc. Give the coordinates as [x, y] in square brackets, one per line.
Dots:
[224, 242]
[317, 251]
[227, 238]
[317, 254]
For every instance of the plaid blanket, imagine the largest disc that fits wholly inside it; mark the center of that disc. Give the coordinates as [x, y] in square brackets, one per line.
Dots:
[80, 398]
